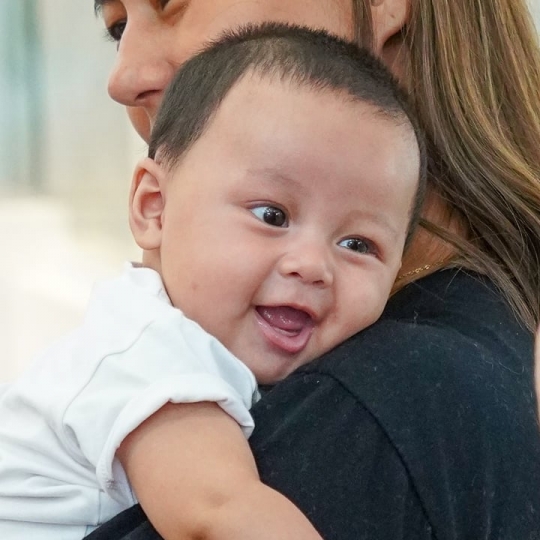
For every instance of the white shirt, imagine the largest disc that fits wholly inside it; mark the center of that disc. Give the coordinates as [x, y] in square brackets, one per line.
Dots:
[62, 421]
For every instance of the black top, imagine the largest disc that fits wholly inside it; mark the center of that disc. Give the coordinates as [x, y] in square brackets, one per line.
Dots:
[421, 427]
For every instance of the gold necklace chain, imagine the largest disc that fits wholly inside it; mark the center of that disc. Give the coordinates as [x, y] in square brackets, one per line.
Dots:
[422, 269]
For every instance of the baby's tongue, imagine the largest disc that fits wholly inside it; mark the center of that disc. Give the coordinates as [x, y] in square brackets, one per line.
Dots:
[284, 317]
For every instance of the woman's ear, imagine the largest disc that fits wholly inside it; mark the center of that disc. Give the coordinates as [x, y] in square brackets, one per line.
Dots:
[389, 17]
[146, 204]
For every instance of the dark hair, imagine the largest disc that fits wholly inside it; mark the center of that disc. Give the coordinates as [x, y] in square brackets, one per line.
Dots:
[311, 58]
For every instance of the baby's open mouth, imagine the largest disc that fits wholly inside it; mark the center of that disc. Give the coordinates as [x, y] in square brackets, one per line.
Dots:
[285, 327]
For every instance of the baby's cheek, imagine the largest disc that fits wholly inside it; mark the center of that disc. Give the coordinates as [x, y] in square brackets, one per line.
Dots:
[367, 308]
[356, 309]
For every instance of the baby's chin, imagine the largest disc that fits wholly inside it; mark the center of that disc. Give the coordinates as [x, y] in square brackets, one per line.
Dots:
[271, 376]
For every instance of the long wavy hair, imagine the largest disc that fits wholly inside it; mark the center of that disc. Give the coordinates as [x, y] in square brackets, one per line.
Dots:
[473, 75]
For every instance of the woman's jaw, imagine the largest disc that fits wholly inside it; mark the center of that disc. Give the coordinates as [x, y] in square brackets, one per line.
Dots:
[140, 119]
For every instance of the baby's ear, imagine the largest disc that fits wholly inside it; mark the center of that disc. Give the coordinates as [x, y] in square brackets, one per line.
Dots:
[146, 204]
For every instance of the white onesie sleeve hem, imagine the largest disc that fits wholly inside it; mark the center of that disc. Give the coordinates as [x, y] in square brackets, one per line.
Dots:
[189, 388]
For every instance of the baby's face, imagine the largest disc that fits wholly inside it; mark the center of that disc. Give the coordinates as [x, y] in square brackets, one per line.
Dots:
[284, 224]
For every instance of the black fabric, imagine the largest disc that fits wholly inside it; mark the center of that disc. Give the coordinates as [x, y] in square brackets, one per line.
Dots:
[421, 427]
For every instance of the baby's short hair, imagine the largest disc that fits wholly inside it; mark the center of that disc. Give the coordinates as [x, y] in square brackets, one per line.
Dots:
[302, 56]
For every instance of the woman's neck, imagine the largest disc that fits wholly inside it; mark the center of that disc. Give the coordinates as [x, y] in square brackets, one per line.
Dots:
[428, 253]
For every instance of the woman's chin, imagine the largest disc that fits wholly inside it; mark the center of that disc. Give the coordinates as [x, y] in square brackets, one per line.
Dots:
[140, 121]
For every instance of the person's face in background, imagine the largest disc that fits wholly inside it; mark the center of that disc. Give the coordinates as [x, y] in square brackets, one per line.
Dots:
[154, 37]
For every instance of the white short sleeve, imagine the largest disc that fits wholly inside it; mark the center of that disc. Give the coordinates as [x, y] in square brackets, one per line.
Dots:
[64, 419]
[173, 360]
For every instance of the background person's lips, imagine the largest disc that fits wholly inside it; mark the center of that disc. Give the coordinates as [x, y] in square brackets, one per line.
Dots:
[285, 327]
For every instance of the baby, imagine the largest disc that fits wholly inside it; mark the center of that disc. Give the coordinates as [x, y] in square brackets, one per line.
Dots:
[283, 181]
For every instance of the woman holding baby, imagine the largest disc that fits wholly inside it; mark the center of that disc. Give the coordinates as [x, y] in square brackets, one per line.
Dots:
[424, 425]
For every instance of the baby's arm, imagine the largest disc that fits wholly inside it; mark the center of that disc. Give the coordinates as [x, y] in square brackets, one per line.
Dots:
[193, 472]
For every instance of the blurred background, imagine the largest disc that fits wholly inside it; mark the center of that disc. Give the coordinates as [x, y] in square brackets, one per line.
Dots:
[66, 156]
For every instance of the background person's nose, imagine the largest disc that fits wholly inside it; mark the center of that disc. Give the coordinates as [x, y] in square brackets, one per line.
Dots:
[141, 71]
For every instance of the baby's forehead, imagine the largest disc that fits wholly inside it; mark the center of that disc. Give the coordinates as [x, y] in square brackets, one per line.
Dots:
[262, 96]
[257, 90]
[238, 114]
[258, 84]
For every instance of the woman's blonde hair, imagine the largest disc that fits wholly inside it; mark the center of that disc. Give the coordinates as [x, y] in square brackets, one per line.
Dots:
[474, 79]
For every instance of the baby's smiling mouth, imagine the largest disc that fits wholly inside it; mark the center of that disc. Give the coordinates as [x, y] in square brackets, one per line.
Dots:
[287, 328]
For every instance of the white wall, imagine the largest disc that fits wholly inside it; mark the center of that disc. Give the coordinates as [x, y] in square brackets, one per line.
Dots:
[89, 145]
[56, 242]
[535, 8]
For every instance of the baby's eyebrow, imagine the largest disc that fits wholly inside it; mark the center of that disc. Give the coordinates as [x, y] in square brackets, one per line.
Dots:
[378, 218]
[269, 174]
[273, 175]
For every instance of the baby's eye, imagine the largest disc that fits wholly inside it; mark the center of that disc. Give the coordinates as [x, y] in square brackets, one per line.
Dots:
[359, 245]
[272, 215]
[114, 31]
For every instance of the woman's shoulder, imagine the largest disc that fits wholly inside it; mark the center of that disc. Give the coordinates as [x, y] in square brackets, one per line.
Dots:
[450, 334]
[447, 350]
[446, 375]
